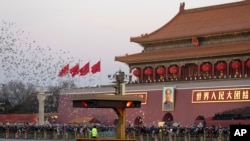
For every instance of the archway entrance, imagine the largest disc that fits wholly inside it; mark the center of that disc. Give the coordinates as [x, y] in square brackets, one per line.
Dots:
[201, 121]
[200, 117]
[138, 120]
[168, 119]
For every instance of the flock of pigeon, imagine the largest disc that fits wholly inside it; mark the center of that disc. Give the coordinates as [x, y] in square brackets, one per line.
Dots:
[27, 60]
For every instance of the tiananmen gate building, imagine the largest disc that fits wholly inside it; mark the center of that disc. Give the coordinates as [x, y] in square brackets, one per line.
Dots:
[201, 55]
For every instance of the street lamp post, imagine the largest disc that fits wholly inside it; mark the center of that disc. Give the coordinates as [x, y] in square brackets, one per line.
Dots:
[119, 77]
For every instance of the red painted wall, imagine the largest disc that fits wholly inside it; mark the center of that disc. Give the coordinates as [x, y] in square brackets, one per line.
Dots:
[185, 111]
[66, 112]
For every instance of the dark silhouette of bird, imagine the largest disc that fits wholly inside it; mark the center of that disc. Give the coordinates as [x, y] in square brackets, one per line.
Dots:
[28, 60]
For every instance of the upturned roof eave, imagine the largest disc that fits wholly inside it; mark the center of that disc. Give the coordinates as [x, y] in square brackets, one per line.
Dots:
[201, 52]
[138, 38]
[161, 60]
[153, 37]
[143, 40]
[136, 61]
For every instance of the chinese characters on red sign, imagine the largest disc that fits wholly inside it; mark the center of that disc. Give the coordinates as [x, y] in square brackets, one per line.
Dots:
[221, 95]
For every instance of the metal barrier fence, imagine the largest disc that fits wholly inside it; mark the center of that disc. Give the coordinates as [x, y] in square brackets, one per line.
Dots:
[45, 135]
[65, 136]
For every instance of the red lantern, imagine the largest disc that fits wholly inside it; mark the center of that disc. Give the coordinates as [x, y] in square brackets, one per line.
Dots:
[236, 65]
[161, 71]
[148, 71]
[137, 72]
[174, 70]
[248, 63]
[221, 66]
[206, 67]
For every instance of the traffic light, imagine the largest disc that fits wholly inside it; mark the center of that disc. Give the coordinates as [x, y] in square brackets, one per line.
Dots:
[85, 104]
[133, 104]
[129, 103]
[106, 103]
[89, 104]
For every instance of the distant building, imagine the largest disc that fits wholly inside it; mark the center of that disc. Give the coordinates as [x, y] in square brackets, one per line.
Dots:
[32, 119]
[202, 55]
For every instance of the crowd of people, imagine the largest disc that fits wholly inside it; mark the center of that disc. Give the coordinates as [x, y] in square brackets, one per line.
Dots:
[25, 130]
[235, 114]
[181, 131]
[84, 131]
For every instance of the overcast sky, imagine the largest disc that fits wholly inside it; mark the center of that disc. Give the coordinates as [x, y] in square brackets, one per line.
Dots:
[94, 29]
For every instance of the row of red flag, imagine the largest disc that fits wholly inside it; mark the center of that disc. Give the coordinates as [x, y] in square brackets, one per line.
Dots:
[75, 70]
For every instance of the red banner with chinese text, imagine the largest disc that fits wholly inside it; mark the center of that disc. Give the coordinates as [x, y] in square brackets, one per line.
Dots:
[221, 95]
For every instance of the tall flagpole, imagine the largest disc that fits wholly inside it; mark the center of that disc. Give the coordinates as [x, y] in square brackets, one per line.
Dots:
[89, 73]
[68, 75]
[79, 81]
[78, 78]
[100, 73]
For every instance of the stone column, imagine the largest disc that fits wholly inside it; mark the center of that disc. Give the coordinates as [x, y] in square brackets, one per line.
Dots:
[166, 68]
[179, 75]
[41, 97]
[228, 67]
[142, 74]
[213, 67]
[152, 77]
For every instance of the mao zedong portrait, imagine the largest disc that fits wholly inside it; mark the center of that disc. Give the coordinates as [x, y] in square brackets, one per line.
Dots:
[168, 104]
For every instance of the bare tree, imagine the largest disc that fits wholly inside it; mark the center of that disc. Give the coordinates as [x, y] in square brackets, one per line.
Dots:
[22, 98]
[14, 94]
[51, 102]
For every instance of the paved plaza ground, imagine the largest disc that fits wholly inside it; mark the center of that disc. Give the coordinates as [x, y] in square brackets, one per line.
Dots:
[30, 140]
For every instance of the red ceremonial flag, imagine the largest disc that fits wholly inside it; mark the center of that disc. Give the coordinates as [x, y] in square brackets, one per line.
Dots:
[64, 71]
[96, 67]
[74, 70]
[84, 70]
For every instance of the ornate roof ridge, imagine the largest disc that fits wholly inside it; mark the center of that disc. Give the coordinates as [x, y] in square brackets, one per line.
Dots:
[220, 13]
[212, 7]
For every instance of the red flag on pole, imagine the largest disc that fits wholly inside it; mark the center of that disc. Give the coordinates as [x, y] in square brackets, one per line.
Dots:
[74, 70]
[96, 67]
[84, 70]
[64, 71]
